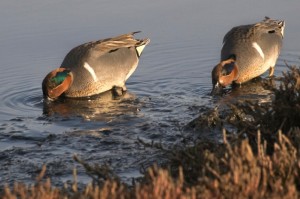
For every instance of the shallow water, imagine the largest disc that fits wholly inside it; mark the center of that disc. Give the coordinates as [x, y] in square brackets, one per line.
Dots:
[167, 90]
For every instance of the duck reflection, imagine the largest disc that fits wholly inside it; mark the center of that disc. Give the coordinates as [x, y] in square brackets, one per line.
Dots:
[103, 107]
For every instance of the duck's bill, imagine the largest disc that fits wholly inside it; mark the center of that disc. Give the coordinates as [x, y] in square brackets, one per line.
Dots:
[217, 89]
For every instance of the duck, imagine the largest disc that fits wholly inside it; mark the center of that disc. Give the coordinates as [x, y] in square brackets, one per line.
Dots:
[248, 51]
[95, 67]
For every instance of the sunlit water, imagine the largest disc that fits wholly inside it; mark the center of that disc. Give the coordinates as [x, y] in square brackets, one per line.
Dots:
[167, 90]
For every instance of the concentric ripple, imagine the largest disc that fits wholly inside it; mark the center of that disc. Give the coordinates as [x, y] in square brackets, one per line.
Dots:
[21, 100]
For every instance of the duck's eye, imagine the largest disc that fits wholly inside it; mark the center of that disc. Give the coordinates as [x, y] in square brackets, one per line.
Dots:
[271, 31]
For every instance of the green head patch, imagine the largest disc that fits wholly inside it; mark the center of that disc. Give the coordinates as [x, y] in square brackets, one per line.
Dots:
[58, 79]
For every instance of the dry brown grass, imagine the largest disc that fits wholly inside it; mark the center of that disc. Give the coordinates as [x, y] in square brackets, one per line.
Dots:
[242, 174]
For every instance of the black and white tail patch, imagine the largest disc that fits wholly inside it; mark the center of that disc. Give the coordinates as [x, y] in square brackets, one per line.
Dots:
[139, 49]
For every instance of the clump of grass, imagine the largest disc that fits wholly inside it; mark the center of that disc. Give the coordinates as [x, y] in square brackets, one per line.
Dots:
[99, 173]
[287, 100]
[239, 173]
[208, 119]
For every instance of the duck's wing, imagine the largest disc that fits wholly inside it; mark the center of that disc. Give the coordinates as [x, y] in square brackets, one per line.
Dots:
[95, 49]
[98, 48]
[239, 33]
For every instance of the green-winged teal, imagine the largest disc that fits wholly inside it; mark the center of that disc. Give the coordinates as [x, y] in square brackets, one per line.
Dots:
[95, 67]
[248, 51]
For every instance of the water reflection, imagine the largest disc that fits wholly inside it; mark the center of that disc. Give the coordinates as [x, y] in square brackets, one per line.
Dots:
[103, 107]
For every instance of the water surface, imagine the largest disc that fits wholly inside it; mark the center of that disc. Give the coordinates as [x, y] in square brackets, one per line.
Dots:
[166, 91]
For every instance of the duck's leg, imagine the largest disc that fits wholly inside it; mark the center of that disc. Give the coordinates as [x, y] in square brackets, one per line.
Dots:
[124, 89]
[271, 71]
[118, 91]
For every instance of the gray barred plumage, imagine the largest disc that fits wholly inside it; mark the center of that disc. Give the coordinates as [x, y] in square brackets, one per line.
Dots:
[255, 49]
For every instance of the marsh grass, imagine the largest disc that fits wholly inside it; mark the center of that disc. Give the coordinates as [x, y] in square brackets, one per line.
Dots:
[263, 163]
[230, 171]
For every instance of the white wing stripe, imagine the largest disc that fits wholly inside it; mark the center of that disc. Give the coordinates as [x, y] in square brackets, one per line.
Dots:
[259, 50]
[91, 71]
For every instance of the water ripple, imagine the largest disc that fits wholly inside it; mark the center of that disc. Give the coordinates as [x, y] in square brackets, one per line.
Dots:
[21, 100]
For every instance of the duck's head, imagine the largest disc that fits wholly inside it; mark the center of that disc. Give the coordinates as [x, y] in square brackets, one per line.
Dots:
[57, 82]
[224, 74]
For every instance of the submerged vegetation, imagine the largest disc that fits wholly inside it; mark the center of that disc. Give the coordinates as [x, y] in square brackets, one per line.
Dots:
[260, 159]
